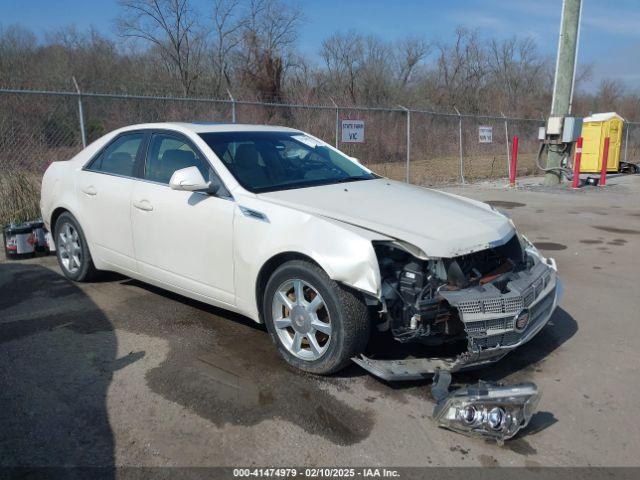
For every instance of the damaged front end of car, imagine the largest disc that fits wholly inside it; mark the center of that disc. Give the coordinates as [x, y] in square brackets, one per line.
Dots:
[477, 307]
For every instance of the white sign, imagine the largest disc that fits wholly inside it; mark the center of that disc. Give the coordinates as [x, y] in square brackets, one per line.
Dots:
[485, 134]
[353, 131]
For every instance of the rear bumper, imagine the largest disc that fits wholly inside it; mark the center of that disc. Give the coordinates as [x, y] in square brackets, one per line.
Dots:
[486, 345]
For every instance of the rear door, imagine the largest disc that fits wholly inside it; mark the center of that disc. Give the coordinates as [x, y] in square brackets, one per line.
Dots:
[104, 189]
[182, 239]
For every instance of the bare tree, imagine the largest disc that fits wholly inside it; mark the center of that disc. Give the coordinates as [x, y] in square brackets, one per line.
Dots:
[461, 76]
[410, 51]
[172, 28]
[343, 54]
[251, 44]
[609, 94]
[228, 25]
[269, 33]
[17, 45]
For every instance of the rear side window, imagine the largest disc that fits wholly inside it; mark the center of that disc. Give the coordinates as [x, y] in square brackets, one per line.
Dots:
[168, 153]
[119, 156]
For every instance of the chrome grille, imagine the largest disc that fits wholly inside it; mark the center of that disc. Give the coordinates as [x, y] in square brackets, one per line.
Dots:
[475, 329]
[482, 326]
[513, 304]
[498, 305]
[473, 306]
[493, 341]
[494, 305]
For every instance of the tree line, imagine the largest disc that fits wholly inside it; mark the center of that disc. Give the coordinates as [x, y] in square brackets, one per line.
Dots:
[250, 48]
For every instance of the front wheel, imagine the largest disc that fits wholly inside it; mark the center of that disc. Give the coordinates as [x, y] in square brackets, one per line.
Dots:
[317, 324]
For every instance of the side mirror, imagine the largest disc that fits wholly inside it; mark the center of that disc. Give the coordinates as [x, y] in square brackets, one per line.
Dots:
[189, 179]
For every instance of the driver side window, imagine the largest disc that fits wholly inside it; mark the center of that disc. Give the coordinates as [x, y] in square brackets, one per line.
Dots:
[168, 153]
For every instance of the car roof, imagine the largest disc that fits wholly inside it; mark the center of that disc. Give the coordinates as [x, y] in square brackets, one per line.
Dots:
[208, 127]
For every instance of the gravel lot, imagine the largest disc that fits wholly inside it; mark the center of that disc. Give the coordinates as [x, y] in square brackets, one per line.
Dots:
[120, 373]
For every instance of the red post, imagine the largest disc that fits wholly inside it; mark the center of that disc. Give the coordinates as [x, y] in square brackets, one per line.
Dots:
[576, 164]
[605, 160]
[514, 161]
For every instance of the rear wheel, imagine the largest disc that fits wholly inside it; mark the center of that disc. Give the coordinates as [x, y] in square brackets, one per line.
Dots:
[72, 249]
[317, 324]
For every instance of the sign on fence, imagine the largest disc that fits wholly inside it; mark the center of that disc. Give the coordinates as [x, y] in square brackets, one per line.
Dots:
[353, 131]
[485, 134]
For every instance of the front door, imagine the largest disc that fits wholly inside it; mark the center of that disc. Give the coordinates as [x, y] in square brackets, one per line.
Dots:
[182, 239]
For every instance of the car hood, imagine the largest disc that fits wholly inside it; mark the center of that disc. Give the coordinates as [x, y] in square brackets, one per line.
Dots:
[440, 224]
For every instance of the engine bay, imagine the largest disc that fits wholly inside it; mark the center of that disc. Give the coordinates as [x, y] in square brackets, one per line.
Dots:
[413, 290]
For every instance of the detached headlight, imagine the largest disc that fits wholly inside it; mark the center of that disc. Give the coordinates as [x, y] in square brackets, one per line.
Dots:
[486, 410]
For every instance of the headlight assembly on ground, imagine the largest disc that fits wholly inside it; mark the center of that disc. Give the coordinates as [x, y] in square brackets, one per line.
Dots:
[487, 410]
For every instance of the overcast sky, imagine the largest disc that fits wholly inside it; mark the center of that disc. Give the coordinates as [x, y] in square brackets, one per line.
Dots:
[610, 35]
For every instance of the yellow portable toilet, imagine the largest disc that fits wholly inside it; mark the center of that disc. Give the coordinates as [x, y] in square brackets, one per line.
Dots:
[595, 129]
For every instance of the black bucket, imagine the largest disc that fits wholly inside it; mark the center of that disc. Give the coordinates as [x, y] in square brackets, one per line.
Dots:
[592, 181]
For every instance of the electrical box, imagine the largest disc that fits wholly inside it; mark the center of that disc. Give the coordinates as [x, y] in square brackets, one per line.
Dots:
[554, 125]
[563, 129]
[571, 129]
[542, 133]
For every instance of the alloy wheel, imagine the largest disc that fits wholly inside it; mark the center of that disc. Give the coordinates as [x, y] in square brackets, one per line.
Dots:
[70, 249]
[301, 319]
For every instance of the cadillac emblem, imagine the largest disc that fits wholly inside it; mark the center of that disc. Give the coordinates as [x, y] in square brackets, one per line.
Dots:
[522, 320]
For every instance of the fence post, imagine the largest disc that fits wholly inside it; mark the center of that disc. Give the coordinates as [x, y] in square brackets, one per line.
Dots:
[506, 136]
[605, 160]
[408, 167]
[337, 120]
[233, 107]
[460, 143]
[83, 135]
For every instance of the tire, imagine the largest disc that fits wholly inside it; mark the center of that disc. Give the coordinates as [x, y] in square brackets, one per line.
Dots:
[68, 227]
[343, 310]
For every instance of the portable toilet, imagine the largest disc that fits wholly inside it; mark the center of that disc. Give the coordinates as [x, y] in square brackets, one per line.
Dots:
[595, 129]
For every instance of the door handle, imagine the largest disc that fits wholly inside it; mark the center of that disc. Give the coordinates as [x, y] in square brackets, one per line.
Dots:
[143, 205]
[90, 190]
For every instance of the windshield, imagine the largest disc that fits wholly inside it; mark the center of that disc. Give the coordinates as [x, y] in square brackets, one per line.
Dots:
[268, 161]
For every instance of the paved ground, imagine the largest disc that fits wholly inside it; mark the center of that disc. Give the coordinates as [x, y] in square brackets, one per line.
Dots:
[120, 373]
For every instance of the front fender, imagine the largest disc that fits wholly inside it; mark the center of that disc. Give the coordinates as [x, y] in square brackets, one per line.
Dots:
[343, 251]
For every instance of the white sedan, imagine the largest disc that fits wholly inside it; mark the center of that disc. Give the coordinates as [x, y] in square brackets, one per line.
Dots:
[277, 225]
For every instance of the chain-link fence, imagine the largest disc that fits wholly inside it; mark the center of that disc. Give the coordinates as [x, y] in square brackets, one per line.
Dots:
[631, 143]
[421, 147]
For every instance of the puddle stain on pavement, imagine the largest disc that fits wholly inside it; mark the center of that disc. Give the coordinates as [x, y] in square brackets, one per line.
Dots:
[617, 241]
[621, 231]
[228, 371]
[550, 246]
[505, 204]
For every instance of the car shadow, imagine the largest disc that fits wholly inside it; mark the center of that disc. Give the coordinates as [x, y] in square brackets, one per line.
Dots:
[58, 352]
[203, 307]
[516, 366]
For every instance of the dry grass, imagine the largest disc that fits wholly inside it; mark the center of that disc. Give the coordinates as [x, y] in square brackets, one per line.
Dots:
[447, 169]
[19, 196]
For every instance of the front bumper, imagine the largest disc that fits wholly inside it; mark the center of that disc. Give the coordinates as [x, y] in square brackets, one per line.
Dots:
[490, 322]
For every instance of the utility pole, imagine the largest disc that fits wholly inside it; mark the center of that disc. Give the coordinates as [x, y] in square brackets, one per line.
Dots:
[565, 76]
